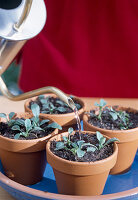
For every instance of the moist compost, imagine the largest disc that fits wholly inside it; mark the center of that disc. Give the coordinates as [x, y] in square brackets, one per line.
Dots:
[107, 121]
[60, 106]
[6, 131]
[105, 152]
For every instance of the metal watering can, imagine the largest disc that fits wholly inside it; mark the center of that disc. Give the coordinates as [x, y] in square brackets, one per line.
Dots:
[21, 20]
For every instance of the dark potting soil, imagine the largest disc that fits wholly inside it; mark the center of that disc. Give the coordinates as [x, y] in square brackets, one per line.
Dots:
[6, 131]
[107, 121]
[88, 156]
[54, 105]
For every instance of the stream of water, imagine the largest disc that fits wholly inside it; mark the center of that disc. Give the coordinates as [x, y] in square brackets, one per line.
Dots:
[74, 108]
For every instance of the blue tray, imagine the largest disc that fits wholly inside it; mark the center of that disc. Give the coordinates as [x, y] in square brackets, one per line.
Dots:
[114, 185]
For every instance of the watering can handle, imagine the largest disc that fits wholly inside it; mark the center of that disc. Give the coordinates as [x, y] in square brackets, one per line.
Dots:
[24, 15]
[17, 26]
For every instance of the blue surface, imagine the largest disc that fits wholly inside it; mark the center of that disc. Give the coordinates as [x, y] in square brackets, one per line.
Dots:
[114, 184]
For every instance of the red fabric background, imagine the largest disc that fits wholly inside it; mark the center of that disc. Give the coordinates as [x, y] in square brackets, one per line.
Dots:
[87, 48]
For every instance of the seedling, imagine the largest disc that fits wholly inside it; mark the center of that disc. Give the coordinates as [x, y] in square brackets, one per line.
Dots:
[24, 127]
[49, 108]
[102, 140]
[22, 132]
[118, 118]
[80, 147]
[122, 116]
[100, 106]
[9, 118]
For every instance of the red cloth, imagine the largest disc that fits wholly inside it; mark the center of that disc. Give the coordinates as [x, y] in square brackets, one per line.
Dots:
[87, 48]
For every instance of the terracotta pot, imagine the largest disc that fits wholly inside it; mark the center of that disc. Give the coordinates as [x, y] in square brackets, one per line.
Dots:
[80, 178]
[24, 161]
[127, 147]
[64, 120]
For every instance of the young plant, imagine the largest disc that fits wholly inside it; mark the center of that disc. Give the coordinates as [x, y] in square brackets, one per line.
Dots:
[80, 147]
[9, 118]
[100, 106]
[22, 132]
[49, 108]
[102, 140]
[24, 127]
[37, 122]
[122, 116]
[119, 119]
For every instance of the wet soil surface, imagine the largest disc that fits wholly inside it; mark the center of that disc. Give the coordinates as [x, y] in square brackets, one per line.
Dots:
[89, 156]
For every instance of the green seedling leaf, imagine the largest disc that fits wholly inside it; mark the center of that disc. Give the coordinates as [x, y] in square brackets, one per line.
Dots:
[16, 137]
[61, 103]
[80, 143]
[73, 150]
[3, 115]
[36, 120]
[111, 141]
[59, 145]
[28, 125]
[65, 138]
[70, 130]
[35, 110]
[12, 122]
[16, 128]
[122, 127]
[20, 122]
[74, 145]
[102, 102]
[102, 141]
[44, 101]
[41, 96]
[89, 144]
[80, 153]
[99, 135]
[52, 105]
[45, 107]
[85, 144]
[113, 115]
[36, 128]
[91, 149]
[54, 125]
[61, 109]
[11, 115]
[44, 121]
[25, 134]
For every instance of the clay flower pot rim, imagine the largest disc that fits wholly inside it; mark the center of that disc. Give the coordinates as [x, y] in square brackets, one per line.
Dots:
[56, 115]
[85, 117]
[79, 163]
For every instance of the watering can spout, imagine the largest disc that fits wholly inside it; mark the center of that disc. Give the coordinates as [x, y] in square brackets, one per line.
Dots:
[19, 24]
